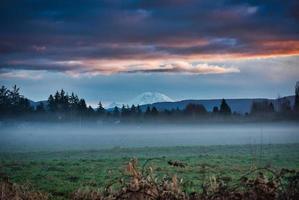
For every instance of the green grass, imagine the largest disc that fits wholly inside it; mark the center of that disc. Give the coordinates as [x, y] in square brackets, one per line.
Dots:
[61, 173]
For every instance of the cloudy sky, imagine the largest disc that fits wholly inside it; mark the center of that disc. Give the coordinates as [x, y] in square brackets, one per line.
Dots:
[112, 50]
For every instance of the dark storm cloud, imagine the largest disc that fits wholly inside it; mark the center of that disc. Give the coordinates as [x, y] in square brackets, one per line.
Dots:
[60, 31]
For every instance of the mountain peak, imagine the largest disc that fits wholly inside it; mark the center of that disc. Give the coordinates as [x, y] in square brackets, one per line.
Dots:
[149, 98]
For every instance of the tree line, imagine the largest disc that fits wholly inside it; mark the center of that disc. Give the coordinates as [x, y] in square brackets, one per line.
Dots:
[13, 103]
[62, 106]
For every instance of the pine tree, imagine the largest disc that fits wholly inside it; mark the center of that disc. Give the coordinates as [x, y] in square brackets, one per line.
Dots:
[51, 103]
[133, 111]
[4, 100]
[148, 111]
[285, 106]
[139, 111]
[73, 103]
[40, 108]
[17, 103]
[224, 108]
[271, 108]
[64, 101]
[154, 112]
[14, 95]
[116, 112]
[57, 97]
[90, 111]
[23, 106]
[123, 111]
[101, 110]
[82, 108]
[262, 107]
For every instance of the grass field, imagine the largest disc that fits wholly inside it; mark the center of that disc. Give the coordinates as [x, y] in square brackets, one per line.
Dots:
[61, 173]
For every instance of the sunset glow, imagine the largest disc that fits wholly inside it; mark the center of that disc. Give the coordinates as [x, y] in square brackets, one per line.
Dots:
[133, 39]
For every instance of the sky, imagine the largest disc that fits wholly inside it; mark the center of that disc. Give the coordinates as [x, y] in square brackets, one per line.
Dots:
[113, 50]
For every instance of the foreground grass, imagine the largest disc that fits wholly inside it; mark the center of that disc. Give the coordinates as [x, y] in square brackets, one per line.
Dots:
[61, 173]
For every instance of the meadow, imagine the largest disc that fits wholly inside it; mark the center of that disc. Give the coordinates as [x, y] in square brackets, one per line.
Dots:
[60, 173]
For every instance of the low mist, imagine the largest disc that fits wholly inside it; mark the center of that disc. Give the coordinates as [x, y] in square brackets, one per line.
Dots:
[75, 136]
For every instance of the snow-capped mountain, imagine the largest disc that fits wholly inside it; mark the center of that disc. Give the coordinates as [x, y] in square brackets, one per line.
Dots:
[114, 104]
[149, 98]
[143, 99]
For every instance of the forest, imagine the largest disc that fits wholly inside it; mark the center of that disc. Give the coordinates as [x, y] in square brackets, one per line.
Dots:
[63, 106]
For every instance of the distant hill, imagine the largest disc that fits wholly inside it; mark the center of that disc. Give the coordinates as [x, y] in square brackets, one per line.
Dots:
[36, 103]
[237, 105]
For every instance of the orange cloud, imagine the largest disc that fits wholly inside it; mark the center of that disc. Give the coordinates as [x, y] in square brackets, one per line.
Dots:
[94, 67]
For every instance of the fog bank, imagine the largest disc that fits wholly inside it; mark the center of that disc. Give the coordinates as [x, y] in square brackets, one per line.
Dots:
[59, 137]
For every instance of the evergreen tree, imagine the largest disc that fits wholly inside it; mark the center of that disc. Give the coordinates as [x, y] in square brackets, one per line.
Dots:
[123, 111]
[82, 108]
[116, 112]
[154, 112]
[14, 97]
[101, 110]
[138, 111]
[285, 106]
[64, 101]
[4, 100]
[3, 94]
[262, 107]
[24, 106]
[18, 103]
[271, 108]
[90, 111]
[177, 111]
[224, 108]
[148, 111]
[57, 97]
[67, 105]
[133, 111]
[40, 108]
[73, 103]
[51, 103]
